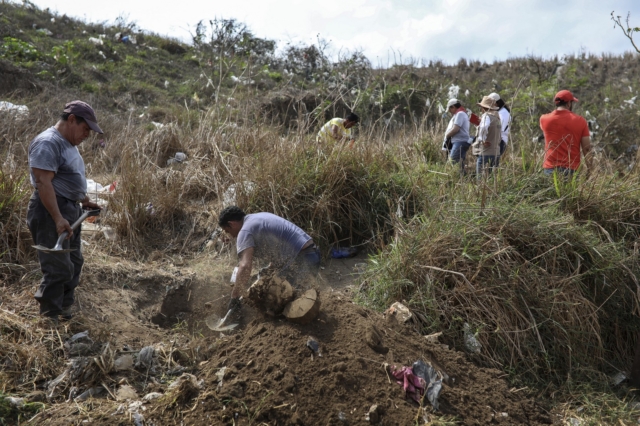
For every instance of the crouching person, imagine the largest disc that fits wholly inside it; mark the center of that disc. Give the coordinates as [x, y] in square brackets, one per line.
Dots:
[269, 238]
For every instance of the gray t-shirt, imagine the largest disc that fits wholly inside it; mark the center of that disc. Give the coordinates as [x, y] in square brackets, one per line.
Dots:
[273, 238]
[51, 151]
[461, 119]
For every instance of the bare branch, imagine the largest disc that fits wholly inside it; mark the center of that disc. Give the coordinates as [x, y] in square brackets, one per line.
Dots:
[627, 29]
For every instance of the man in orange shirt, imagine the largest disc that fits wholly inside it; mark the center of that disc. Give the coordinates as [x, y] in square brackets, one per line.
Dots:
[565, 134]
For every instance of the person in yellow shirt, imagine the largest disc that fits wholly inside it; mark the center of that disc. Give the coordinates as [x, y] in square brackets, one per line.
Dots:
[338, 129]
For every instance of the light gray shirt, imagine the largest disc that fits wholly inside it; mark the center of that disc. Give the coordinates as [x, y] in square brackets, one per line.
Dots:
[273, 238]
[51, 151]
[461, 119]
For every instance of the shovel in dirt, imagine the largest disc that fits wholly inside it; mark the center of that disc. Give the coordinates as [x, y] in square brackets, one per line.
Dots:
[58, 247]
[216, 324]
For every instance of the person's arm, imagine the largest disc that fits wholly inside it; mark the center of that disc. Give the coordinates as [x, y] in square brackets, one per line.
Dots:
[585, 144]
[454, 130]
[48, 198]
[244, 273]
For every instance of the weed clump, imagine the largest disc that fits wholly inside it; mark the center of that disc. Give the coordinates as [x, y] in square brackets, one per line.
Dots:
[547, 297]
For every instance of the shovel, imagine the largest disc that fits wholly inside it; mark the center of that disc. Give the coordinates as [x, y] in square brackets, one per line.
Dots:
[219, 325]
[58, 247]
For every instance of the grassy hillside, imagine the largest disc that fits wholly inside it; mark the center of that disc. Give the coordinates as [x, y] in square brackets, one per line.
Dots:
[544, 272]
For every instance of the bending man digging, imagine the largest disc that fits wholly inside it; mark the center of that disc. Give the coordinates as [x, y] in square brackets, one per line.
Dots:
[58, 176]
[271, 239]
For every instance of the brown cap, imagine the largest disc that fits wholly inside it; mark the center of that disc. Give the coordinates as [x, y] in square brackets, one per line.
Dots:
[84, 110]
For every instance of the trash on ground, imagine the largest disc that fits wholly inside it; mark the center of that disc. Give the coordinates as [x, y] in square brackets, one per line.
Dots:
[125, 393]
[618, 378]
[430, 376]
[15, 402]
[400, 312]
[124, 362]
[178, 158]
[230, 196]
[146, 357]
[151, 396]
[414, 386]
[471, 342]
[343, 252]
[313, 346]
[20, 111]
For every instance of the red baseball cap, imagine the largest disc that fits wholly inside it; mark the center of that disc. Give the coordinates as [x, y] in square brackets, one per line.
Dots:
[84, 110]
[565, 95]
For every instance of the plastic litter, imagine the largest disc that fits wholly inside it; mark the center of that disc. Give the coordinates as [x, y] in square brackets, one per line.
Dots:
[343, 252]
[138, 419]
[313, 346]
[20, 111]
[178, 158]
[151, 396]
[145, 357]
[220, 376]
[230, 196]
[471, 343]
[433, 384]
[89, 393]
[15, 402]
[125, 362]
[126, 392]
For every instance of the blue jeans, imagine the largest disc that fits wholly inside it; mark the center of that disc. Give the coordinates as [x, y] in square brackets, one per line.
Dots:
[486, 163]
[305, 264]
[458, 154]
[565, 171]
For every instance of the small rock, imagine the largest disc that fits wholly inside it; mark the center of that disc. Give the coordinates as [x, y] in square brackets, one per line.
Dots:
[401, 313]
[208, 304]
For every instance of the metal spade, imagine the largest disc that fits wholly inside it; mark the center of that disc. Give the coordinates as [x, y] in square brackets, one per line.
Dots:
[58, 247]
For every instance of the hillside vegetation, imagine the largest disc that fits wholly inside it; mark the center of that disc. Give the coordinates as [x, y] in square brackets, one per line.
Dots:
[543, 272]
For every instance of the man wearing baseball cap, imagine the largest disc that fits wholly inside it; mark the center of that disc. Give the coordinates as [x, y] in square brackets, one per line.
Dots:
[565, 135]
[58, 175]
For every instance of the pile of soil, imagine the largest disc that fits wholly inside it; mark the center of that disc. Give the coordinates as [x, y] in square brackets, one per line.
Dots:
[271, 377]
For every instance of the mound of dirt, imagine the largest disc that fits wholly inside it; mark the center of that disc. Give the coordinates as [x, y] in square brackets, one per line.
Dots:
[266, 374]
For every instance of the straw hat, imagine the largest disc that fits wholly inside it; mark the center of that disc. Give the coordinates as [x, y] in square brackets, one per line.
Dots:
[489, 103]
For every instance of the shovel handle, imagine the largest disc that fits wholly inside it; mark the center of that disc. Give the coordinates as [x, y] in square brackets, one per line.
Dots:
[84, 215]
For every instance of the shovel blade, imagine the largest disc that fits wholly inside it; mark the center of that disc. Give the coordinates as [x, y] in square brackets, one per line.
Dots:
[218, 324]
[50, 250]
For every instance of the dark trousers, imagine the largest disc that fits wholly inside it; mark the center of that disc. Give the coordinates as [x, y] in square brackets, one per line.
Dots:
[306, 264]
[60, 271]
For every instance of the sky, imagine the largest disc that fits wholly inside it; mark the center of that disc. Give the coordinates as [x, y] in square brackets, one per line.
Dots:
[390, 32]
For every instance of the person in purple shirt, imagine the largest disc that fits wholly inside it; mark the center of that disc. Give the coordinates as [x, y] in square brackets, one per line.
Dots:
[271, 239]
